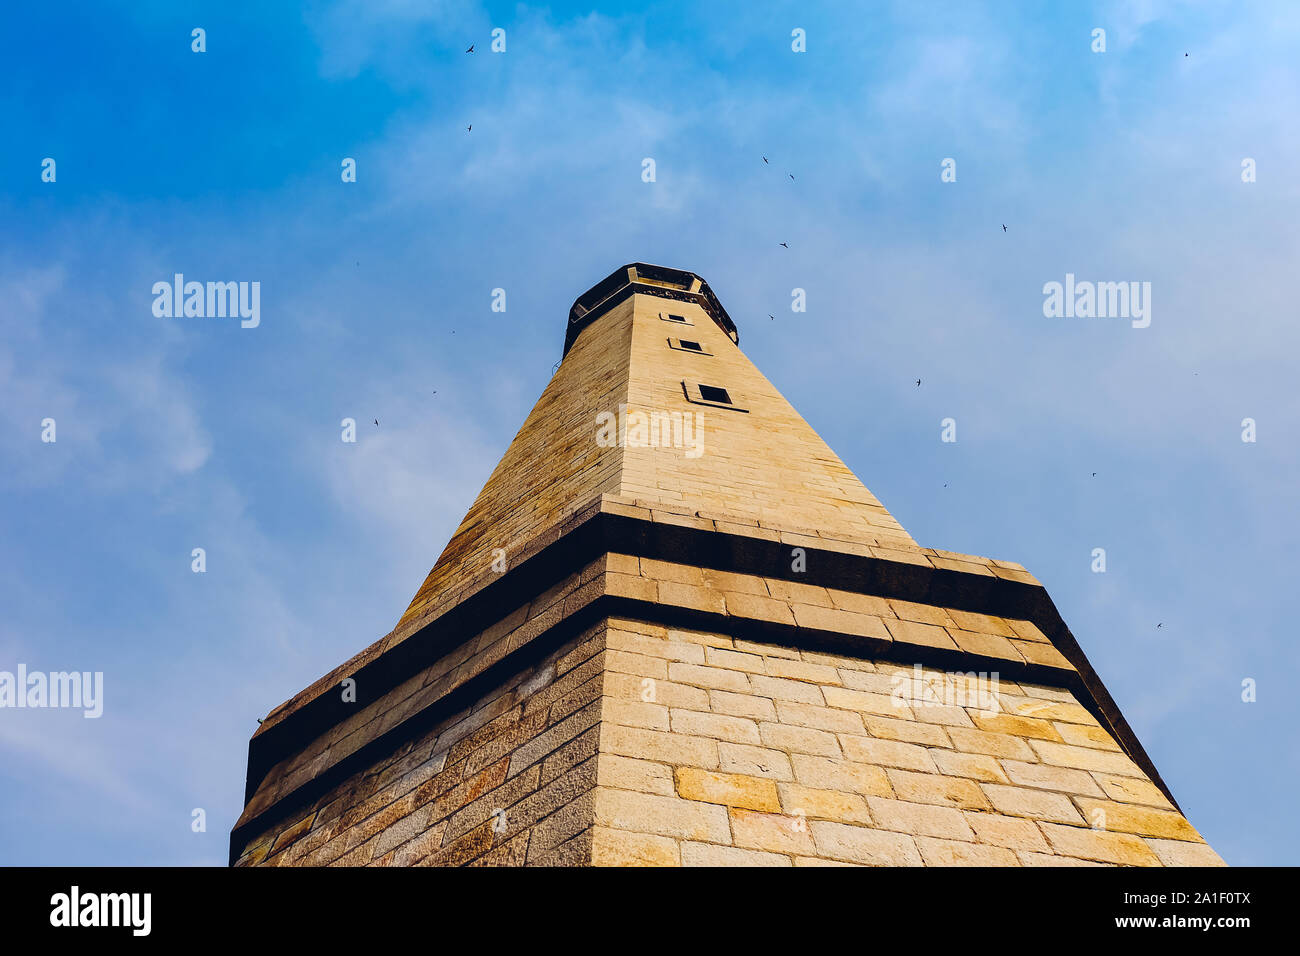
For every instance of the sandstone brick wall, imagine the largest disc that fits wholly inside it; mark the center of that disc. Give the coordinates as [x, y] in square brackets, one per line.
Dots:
[813, 608]
[761, 755]
[552, 467]
[636, 744]
[767, 463]
[377, 715]
[528, 748]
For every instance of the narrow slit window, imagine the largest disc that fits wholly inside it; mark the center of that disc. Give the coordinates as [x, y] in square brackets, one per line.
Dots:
[677, 319]
[715, 396]
[686, 345]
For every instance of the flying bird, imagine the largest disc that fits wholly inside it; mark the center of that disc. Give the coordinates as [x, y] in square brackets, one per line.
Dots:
[469, 127]
[918, 383]
[765, 160]
[1160, 625]
[471, 48]
[376, 422]
[1004, 227]
[786, 245]
[771, 316]
[1094, 474]
[791, 175]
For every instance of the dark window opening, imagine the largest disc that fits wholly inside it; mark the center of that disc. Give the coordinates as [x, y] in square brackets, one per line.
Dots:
[711, 393]
[674, 318]
[690, 346]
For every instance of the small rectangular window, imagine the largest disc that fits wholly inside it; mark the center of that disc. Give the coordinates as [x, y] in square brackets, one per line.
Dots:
[713, 395]
[679, 319]
[686, 345]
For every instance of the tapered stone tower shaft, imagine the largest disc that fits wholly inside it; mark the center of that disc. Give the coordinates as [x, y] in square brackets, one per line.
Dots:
[674, 629]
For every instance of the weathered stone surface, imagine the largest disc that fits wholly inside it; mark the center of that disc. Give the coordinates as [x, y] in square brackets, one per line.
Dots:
[937, 852]
[625, 848]
[1010, 832]
[708, 854]
[647, 813]
[1100, 845]
[776, 833]
[728, 789]
[862, 845]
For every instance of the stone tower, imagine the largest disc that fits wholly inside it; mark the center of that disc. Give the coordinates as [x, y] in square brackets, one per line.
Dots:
[675, 629]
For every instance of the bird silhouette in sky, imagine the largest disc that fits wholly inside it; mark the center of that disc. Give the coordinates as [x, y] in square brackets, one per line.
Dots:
[1004, 227]
[918, 383]
[469, 127]
[471, 48]
[786, 245]
[791, 175]
[771, 316]
[1094, 474]
[376, 422]
[765, 160]
[1160, 625]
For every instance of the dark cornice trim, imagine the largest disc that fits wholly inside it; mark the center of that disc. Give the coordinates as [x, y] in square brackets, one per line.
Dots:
[605, 532]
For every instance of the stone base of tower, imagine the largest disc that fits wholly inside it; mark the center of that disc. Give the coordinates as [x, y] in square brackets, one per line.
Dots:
[644, 710]
[505, 781]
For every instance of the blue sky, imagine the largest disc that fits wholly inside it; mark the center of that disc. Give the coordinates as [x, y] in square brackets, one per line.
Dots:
[182, 433]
